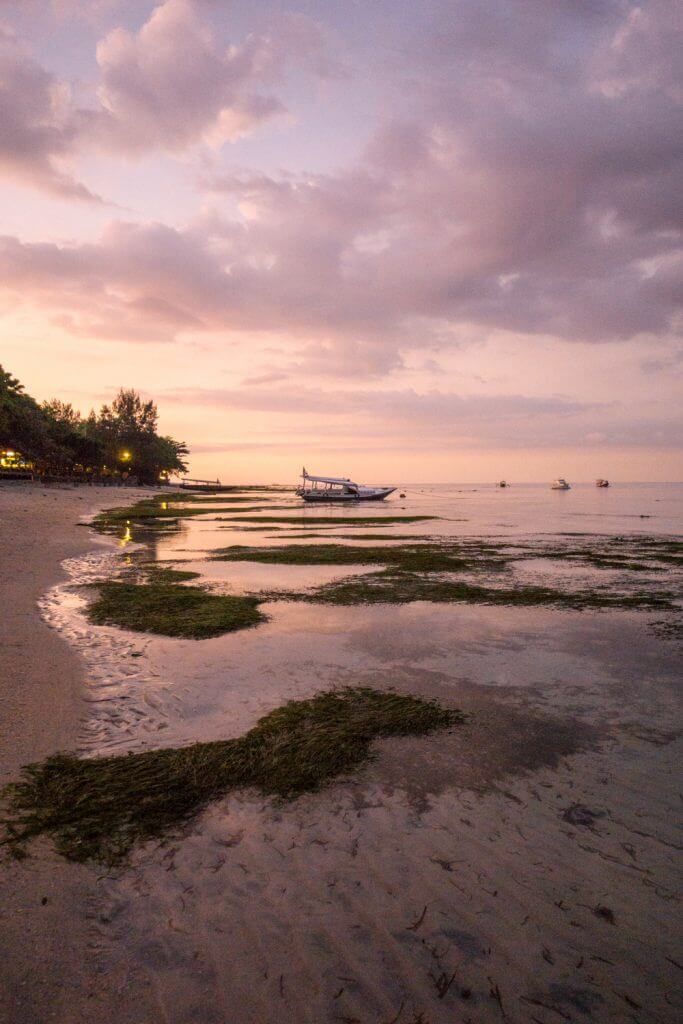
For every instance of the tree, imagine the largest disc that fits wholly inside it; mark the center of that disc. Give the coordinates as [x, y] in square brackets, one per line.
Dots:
[127, 430]
[121, 439]
[76, 449]
[171, 455]
[22, 423]
[130, 414]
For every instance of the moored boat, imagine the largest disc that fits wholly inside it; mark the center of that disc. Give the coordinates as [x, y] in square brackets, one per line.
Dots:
[560, 484]
[502, 483]
[601, 483]
[210, 486]
[332, 488]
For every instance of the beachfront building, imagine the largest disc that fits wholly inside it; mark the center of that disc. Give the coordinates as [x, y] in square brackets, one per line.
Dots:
[12, 461]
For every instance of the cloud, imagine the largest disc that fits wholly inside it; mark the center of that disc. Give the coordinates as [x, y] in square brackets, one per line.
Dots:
[512, 188]
[170, 86]
[527, 180]
[438, 407]
[38, 127]
[264, 378]
[412, 420]
[167, 87]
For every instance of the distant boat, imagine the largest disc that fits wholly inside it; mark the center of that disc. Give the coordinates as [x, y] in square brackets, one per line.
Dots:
[560, 484]
[211, 486]
[502, 483]
[602, 483]
[332, 488]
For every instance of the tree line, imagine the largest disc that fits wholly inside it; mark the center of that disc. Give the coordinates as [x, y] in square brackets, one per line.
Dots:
[121, 441]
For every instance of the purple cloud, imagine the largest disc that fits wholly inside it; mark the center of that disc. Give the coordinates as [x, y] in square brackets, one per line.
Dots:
[524, 175]
[170, 85]
[441, 419]
[38, 126]
[167, 87]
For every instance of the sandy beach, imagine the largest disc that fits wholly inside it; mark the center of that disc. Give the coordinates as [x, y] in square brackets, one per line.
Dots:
[45, 903]
[521, 867]
[362, 703]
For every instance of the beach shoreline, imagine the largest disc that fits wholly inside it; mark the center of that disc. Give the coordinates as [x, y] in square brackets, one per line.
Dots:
[45, 902]
[516, 867]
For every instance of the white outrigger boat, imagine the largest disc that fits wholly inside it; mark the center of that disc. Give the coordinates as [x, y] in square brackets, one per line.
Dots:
[331, 488]
[560, 484]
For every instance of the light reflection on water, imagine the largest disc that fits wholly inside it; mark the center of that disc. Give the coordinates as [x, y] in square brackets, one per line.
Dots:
[149, 691]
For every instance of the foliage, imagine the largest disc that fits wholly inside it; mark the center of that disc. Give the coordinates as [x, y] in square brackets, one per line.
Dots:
[23, 425]
[120, 440]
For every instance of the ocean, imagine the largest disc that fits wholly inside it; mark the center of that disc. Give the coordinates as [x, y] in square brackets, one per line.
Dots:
[523, 859]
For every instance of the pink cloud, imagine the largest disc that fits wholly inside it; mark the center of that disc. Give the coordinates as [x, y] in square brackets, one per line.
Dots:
[510, 188]
[38, 126]
[440, 418]
[170, 86]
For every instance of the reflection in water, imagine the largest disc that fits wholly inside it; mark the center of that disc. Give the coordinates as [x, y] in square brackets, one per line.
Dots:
[354, 903]
[147, 690]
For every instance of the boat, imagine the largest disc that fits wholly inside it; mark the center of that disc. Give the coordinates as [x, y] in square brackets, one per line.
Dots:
[210, 486]
[332, 488]
[601, 483]
[502, 483]
[560, 484]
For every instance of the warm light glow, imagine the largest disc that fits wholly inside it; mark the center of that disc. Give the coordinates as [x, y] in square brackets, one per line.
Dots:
[312, 266]
[13, 460]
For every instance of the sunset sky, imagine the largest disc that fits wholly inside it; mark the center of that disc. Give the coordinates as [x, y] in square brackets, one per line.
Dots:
[399, 241]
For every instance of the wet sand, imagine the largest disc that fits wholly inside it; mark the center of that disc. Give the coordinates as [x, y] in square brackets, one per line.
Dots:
[523, 867]
[46, 905]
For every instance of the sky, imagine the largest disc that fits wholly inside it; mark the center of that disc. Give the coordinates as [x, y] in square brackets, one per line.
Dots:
[395, 241]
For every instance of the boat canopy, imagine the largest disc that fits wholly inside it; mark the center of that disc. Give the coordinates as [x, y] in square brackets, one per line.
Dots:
[329, 479]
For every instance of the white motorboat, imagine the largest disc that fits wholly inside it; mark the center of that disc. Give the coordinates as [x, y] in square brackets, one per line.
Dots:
[332, 488]
[560, 484]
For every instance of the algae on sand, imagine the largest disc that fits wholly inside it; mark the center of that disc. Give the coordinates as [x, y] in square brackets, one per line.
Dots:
[159, 573]
[419, 557]
[163, 510]
[97, 809]
[333, 520]
[172, 609]
[392, 586]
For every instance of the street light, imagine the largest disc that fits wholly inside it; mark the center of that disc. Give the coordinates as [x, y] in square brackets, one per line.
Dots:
[125, 456]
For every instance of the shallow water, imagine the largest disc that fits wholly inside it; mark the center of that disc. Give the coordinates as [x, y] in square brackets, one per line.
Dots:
[481, 854]
[146, 690]
[528, 509]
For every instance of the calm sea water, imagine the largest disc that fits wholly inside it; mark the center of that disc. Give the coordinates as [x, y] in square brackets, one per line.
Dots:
[536, 508]
[487, 849]
[526, 510]
[147, 690]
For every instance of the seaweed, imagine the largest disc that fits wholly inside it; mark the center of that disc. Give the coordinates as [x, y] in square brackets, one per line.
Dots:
[156, 573]
[392, 587]
[160, 510]
[171, 609]
[98, 809]
[415, 557]
[334, 520]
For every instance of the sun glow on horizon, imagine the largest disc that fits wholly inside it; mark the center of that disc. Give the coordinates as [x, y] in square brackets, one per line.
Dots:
[254, 222]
